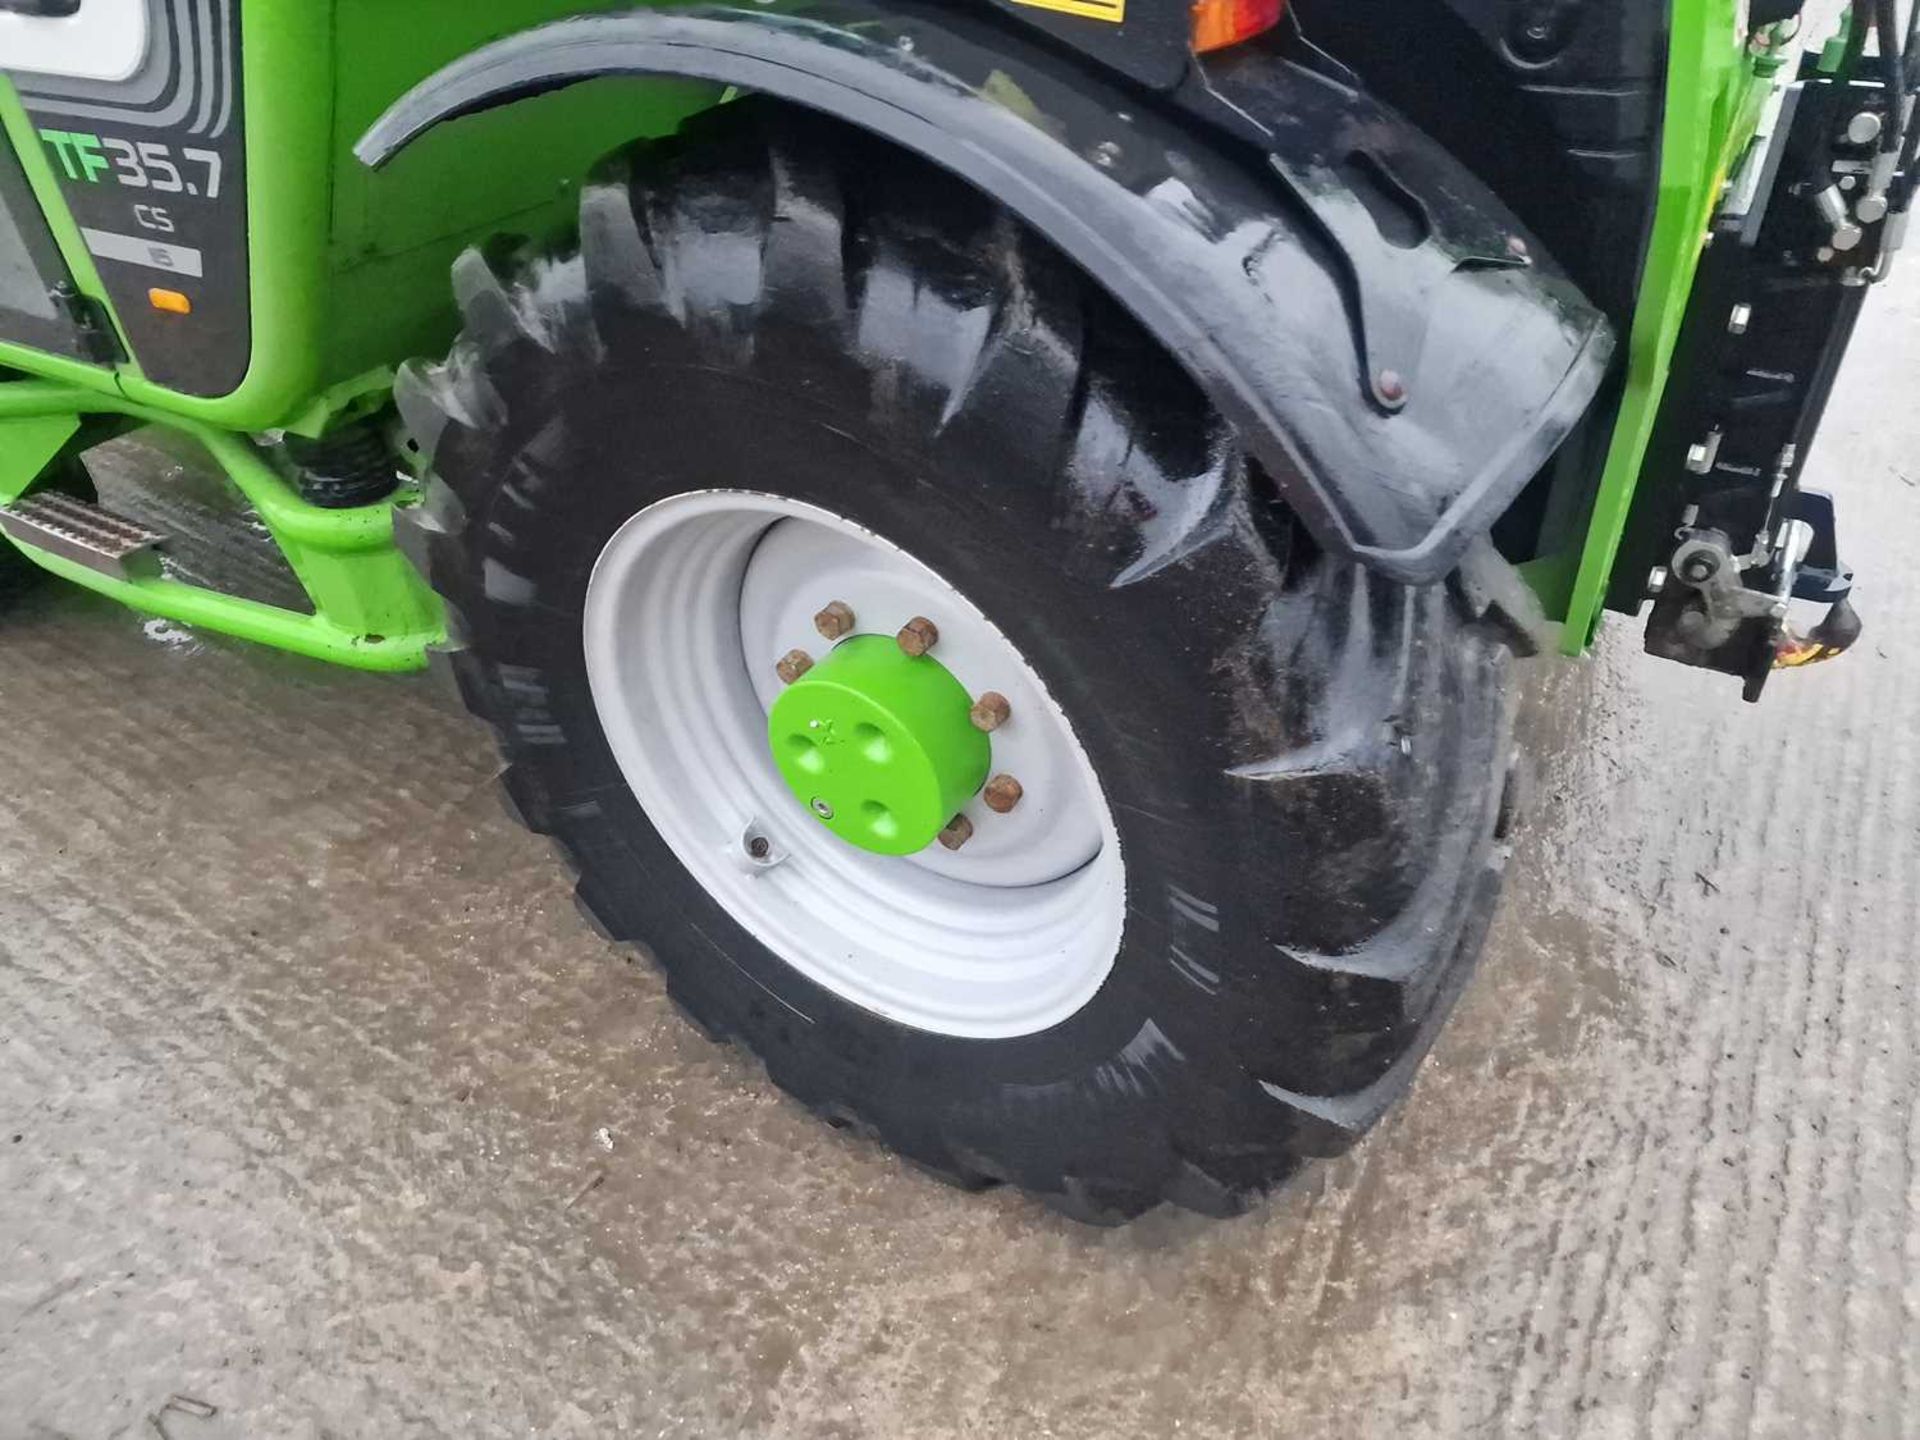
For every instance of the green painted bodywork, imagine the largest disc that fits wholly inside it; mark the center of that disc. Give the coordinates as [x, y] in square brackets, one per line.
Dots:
[349, 268]
[370, 610]
[348, 275]
[1716, 91]
[878, 745]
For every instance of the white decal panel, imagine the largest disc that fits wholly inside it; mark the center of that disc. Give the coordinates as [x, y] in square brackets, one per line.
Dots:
[103, 40]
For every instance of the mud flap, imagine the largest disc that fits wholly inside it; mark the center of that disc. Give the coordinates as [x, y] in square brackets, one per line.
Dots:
[1400, 356]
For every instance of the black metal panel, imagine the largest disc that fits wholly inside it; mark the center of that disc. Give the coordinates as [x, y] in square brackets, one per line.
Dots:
[1274, 278]
[33, 278]
[153, 169]
[1771, 315]
[1555, 104]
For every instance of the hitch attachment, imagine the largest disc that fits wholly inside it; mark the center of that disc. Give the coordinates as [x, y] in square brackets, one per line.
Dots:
[1730, 612]
[1829, 638]
[1721, 534]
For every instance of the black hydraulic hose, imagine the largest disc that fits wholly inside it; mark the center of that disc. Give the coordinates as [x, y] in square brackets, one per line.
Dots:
[1860, 22]
[1820, 158]
[1893, 69]
[1907, 47]
[1900, 193]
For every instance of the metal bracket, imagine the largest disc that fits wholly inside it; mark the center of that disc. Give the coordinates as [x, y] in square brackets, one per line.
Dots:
[89, 318]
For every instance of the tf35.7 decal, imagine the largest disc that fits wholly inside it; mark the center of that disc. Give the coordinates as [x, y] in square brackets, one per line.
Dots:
[141, 165]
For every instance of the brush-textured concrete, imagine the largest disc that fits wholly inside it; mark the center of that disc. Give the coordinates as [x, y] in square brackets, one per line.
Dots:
[320, 1107]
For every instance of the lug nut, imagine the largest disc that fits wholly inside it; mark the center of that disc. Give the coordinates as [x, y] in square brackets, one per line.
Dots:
[793, 665]
[918, 635]
[834, 621]
[959, 830]
[1003, 792]
[990, 711]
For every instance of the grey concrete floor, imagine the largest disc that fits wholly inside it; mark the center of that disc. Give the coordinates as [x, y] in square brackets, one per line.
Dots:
[319, 1107]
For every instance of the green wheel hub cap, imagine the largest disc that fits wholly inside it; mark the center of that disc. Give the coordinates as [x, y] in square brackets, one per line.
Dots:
[878, 745]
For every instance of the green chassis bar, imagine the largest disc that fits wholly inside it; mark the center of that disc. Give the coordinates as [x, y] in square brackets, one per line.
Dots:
[1715, 96]
[371, 611]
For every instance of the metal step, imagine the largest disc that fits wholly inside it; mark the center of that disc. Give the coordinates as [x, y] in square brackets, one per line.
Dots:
[214, 538]
[84, 534]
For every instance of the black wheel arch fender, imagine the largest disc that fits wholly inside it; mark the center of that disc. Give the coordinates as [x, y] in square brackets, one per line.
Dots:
[1398, 355]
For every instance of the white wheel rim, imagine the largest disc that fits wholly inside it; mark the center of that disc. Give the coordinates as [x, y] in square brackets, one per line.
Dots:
[690, 605]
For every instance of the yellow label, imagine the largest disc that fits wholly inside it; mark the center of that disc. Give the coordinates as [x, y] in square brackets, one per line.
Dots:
[1112, 11]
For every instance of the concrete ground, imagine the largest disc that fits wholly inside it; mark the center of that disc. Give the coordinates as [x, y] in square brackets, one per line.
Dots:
[320, 1109]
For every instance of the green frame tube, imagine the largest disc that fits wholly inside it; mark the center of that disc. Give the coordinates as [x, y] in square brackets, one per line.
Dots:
[360, 586]
[1716, 92]
[371, 611]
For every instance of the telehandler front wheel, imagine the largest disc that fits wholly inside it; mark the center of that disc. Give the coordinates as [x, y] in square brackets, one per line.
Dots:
[904, 652]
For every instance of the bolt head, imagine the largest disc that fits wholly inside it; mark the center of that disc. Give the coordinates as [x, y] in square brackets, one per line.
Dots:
[792, 665]
[918, 635]
[990, 711]
[1699, 568]
[959, 830]
[824, 810]
[835, 621]
[1002, 793]
[759, 847]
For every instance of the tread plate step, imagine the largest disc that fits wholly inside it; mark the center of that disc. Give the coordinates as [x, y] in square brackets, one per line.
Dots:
[85, 534]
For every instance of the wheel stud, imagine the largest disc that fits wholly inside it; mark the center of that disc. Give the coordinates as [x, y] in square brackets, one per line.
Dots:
[1003, 792]
[918, 635]
[793, 665]
[990, 711]
[834, 621]
[959, 830]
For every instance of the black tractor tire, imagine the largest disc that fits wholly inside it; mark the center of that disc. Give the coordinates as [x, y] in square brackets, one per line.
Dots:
[1305, 762]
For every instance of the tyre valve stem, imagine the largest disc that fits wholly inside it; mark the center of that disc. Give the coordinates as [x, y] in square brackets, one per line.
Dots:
[959, 830]
[757, 850]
